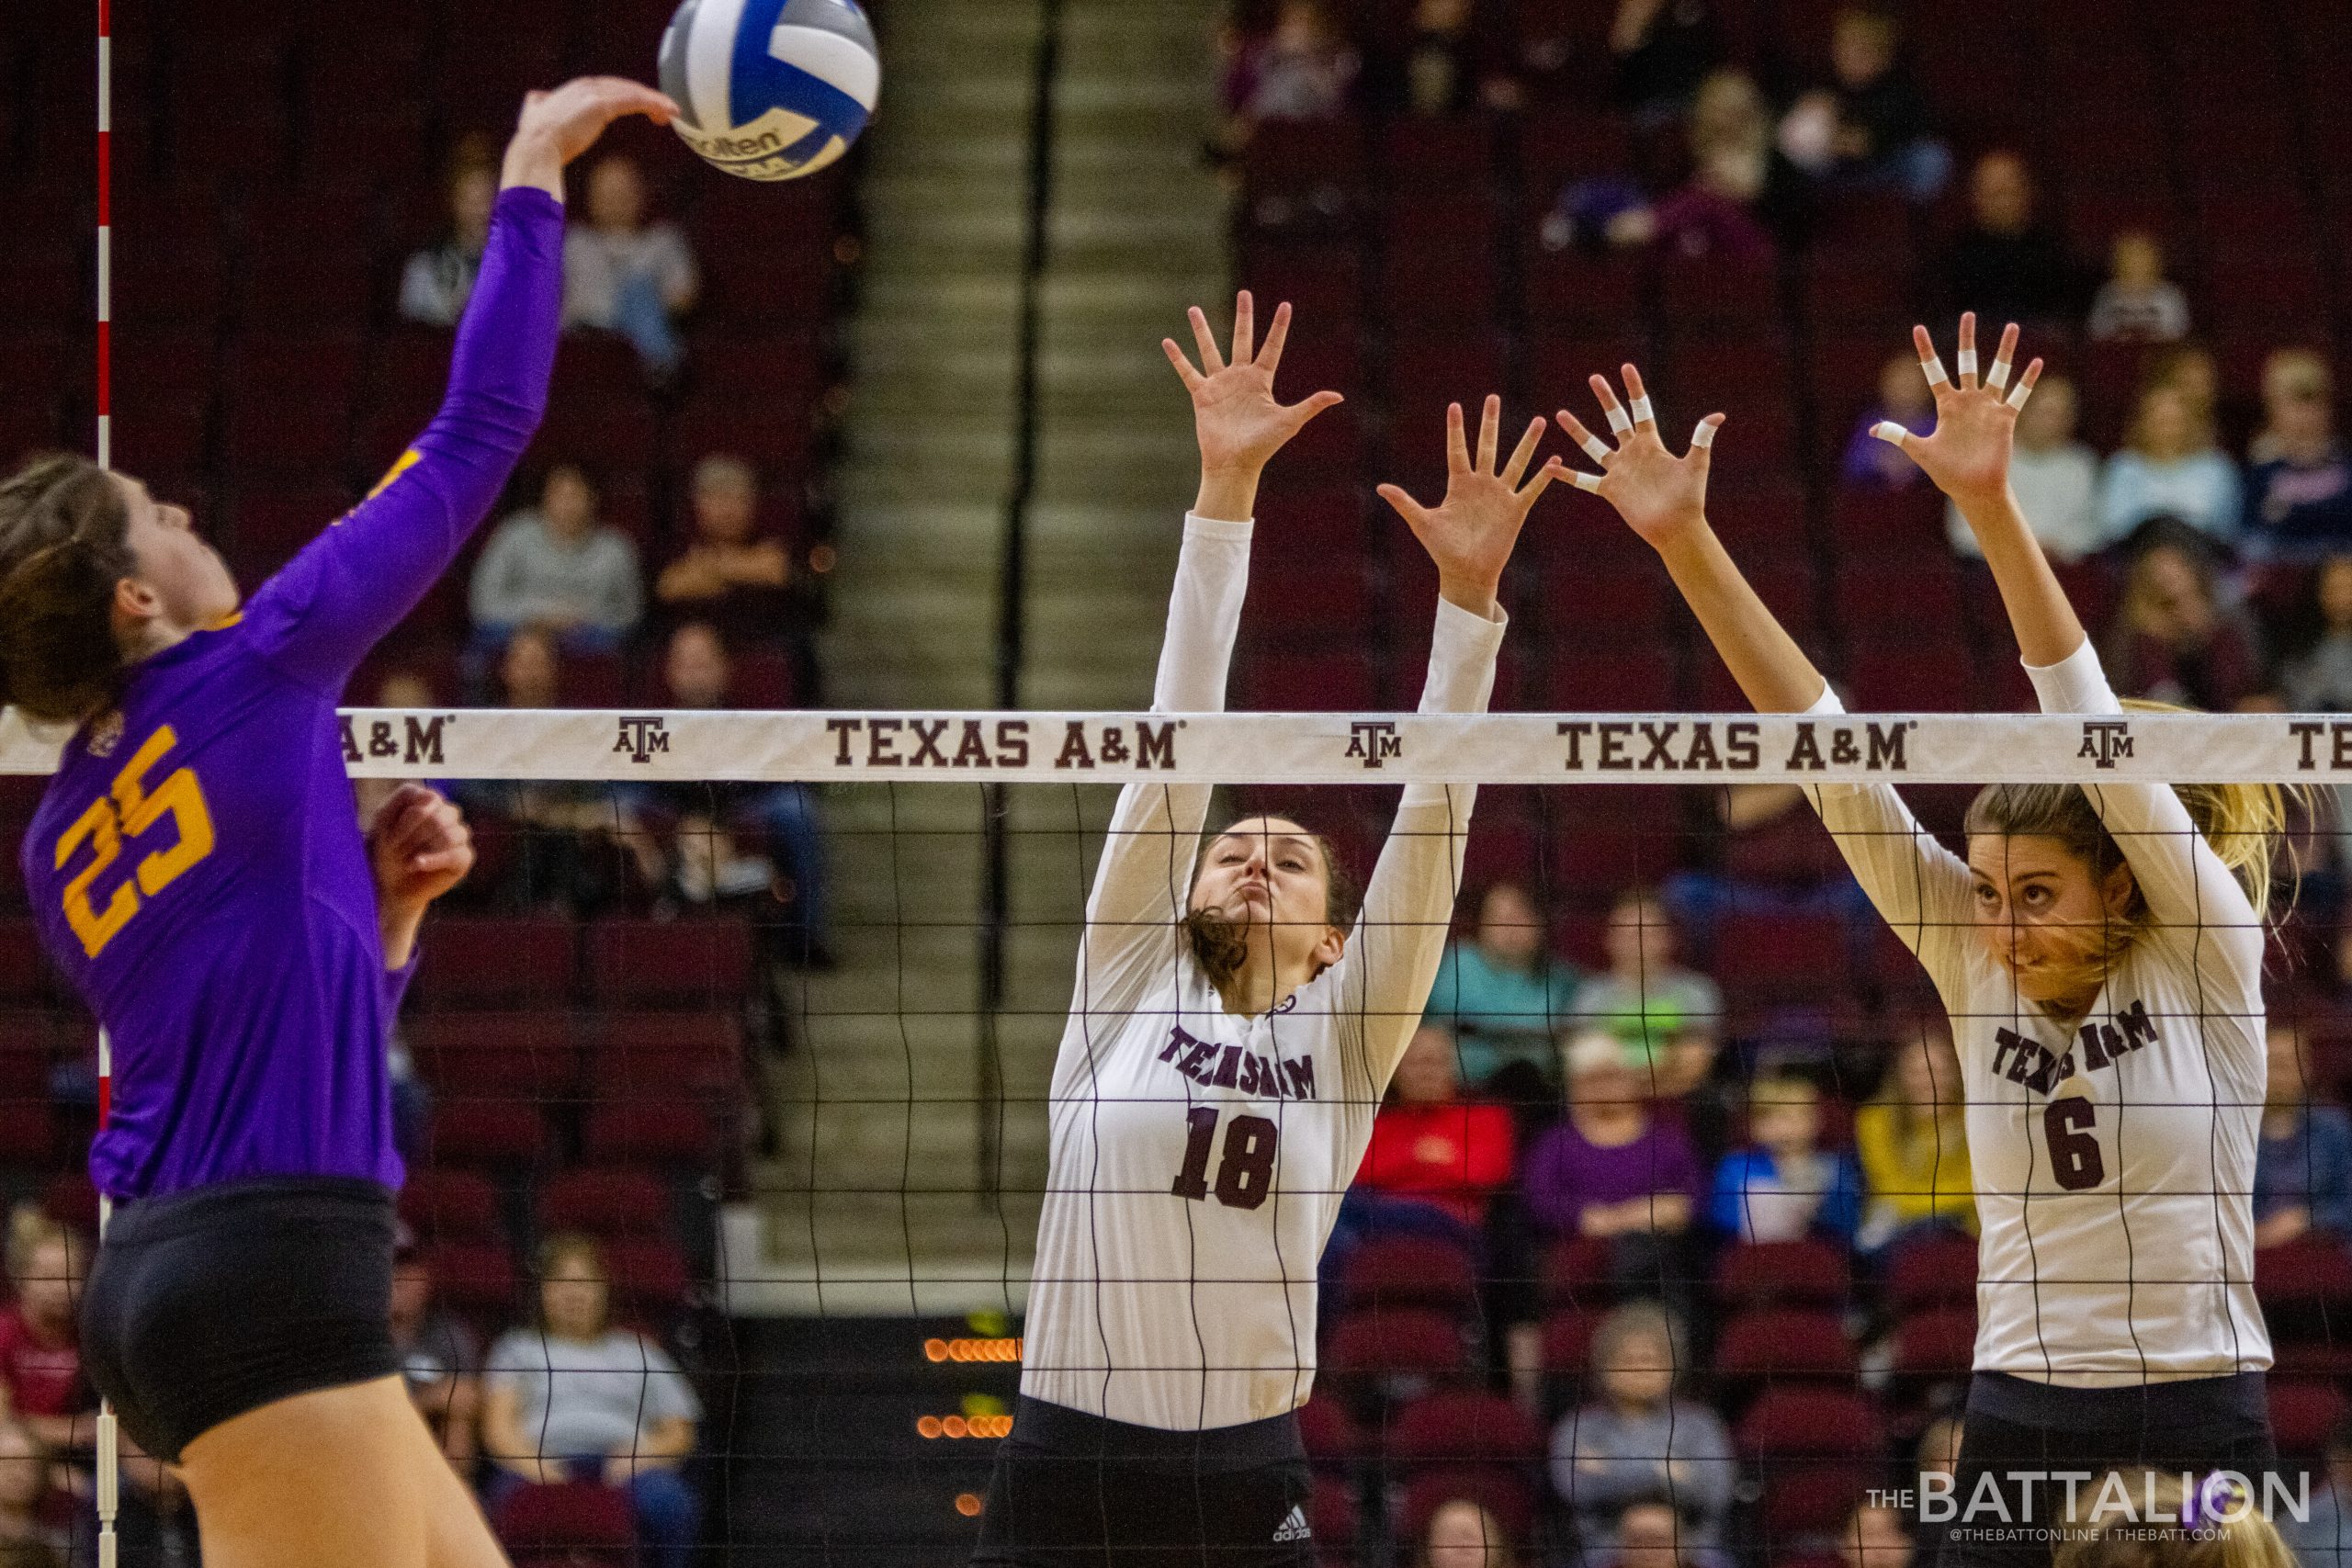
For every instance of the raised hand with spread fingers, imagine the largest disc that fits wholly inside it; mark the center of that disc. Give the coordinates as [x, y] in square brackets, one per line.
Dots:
[1654, 490]
[1470, 533]
[1235, 417]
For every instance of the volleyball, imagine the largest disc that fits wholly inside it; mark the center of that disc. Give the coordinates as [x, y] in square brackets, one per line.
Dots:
[771, 89]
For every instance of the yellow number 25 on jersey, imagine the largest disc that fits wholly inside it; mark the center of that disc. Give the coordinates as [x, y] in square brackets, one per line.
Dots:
[130, 812]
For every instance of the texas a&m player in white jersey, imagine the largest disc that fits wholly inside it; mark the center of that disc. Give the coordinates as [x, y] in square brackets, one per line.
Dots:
[1228, 1040]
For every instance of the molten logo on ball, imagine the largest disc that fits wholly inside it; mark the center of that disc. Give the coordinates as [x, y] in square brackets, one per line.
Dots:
[771, 89]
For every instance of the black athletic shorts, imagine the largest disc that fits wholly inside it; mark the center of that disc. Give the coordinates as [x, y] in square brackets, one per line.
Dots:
[208, 1303]
[1076, 1491]
[2013, 1427]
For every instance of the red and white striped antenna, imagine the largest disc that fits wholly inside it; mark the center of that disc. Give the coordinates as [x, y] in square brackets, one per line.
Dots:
[108, 1449]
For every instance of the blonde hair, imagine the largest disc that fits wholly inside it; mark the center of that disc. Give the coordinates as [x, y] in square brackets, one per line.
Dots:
[2245, 824]
[2228, 1532]
[29, 1230]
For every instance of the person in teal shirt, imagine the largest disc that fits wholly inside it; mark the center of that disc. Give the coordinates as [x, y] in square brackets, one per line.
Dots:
[1506, 999]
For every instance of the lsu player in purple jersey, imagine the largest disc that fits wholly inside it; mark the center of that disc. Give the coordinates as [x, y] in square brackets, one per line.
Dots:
[197, 874]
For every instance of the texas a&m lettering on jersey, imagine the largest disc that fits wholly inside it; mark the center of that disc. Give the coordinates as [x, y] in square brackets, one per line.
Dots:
[2023, 1061]
[1212, 1065]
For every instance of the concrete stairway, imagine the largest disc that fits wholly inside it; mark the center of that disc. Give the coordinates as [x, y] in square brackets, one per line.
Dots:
[875, 1205]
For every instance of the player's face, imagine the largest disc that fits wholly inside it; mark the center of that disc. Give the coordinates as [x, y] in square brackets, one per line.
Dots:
[186, 583]
[2042, 912]
[1268, 872]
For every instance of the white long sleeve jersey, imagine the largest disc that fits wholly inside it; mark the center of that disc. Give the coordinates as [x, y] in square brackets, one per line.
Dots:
[1198, 1159]
[2114, 1160]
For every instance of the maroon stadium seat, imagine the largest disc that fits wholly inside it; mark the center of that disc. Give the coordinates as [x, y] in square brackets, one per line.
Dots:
[1786, 1345]
[1510, 1497]
[573, 1522]
[1784, 1273]
[1932, 1268]
[497, 1055]
[23, 971]
[670, 963]
[671, 1133]
[1328, 1433]
[1937, 1346]
[2304, 1413]
[502, 1135]
[1457, 1428]
[1404, 1350]
[606, 1201]
[1410, 1270]
[476, 962]
[451, 1205]
[474, 1277]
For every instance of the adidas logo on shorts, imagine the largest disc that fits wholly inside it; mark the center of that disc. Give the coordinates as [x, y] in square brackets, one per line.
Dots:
[1293, 1527]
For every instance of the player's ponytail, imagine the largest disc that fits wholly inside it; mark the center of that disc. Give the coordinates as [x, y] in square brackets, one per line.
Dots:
[64, 544]
[2216, 1522]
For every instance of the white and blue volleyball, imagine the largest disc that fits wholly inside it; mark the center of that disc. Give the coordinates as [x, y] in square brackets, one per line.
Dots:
[771, 89]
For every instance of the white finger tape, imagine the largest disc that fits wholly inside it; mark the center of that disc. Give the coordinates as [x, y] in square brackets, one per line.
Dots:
[1643, 414]
[1596, 448]
[1586, 481]
[1887, 430]
[1618, 423]
[2017, 398]
[1704, 436]
[1999, 378]
[1968, 361]
[1934, 366]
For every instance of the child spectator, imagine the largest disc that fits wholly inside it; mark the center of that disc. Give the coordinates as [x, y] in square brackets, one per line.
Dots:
[1637, 1442]
[623, 274]
[1610, 1171]
[27, 1537]
[1913, 1140]
[2174, 640]
[440, 1360]
[1667, 1017]
[2054, 477]
[1430, 1146]
[577, 1398]
[1463, 1534]
[1783, 1186]
[2303, 1167]
[1878, 1537]
[2170, 466]
[2299, 497]
[559, 568]
[1904, 397]
[2318, 679]
[2137, 303]
[1741, 196]
[2006, 265]
[439, 279]
[1304, 68]
[1506, 997]
[1871, 125]
[729, 574]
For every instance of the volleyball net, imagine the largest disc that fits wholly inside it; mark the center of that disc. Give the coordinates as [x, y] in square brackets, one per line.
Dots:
[751, 1018]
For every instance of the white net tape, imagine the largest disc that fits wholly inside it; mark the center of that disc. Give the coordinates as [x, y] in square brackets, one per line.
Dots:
[1320, 748]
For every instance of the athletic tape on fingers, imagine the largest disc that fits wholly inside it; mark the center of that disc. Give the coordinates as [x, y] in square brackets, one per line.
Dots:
[1642, 410]
[1968, 361]
[1888, 431]
[1596, 448]
[2000, 376]
[1585, 481]
[1704, 436]
[1618, 423]
[1934, 366]
[2017, 398]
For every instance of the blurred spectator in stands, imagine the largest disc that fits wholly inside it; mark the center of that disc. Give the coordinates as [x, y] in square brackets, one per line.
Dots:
[1507, 997]
[1430, 1146]
[2137, 303]
[1637, 1442]
[2299, 498]
[1878, 1536]
[2302, 1168]
[2055, 478]
[439, 279]
[624, 275]
[1904, 397]
[1669, 1017]
[1610, 1171]
[2323, 1538]
[1740, 198]
[729, 574]
[1913, 1140]
[568, 858]
[2006, 265]
[1652, 1534]
[440, 1360]
[1448, 59]
[1939, 1454]
[2317, 677]
[2174, 639]
[28, 1536]
[1870, 126]
[578, 1398]
[1465, 1534]
[558, 566]
[1301, 68]
[2170, 466]
[1664, 49]
[1785, 1185]
[709, 864]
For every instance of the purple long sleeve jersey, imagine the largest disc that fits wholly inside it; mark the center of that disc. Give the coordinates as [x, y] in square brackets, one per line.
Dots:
[197, 868]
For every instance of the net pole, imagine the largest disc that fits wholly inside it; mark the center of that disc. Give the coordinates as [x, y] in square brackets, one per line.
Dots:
[109, 1448]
